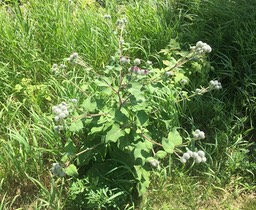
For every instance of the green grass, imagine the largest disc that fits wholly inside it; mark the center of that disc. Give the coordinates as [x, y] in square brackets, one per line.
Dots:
[41, 33]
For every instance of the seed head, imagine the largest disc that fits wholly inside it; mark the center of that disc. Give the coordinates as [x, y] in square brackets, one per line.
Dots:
[149, 63]
[154, 163]
[169, 73]
[195, 155]
[190, 153]
[215, 85]
[136, 62]
[74, 100]
[57, 118]
[204, 159]
[124, 60]
[72, 58]
[201, 153]
[186, 156]
[107, 16]
[183, 160]
[197, 134]
[201, 48]
[198, 91]
[184, 81]
[198, 159]
[57, 170]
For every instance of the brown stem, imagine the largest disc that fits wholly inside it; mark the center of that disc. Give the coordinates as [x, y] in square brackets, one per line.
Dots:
[91, 148]
[87, 116]
[152, 141]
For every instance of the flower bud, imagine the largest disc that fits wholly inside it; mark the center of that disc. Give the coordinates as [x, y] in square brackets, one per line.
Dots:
[122, 60]
[74, 100]
[198, 159]
[183, 160]
[154, 163]
[107, 16]
[201, 153]
[136, 62]
[56, 118]
[149, 63]
[204, 159]
[186, 156]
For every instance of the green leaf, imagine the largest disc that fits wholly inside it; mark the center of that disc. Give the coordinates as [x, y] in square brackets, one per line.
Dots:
[161, 154]
[102, 83]
[173, 140]
[135, 90]
[174, 137]
[142, 118]
[167, 63]
[84, 158]
[148, 145]
[76, 126]
[65, 158]
[89, 105]
[121, 116]
[167, 145]
[115, 133]
[179, 76]
[97, 129]
[149, 159]
[142, 150]
[170, 63]
[70, 147]
[143, 179]
[71, 170]
[106, 80]
[84, 87]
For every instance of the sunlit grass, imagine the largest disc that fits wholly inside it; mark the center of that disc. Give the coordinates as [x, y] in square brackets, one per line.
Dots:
[41, 33]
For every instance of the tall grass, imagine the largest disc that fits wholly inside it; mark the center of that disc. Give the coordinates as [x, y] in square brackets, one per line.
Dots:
[38, 34]
[229, 28]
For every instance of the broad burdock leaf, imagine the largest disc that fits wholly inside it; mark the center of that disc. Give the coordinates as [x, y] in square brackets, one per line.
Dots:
[115, 133]
[167, 145]
[71, 170]
[173, 140]
[179, 77]
[142, 118]
[142, 150]
[89, 105]
[104, 85]
[143, 176]
[161, 154]
[174, 137]
[76, 126]
[70, 147]
[121, 116]
[135, 90]
[84, 158]
[149, 145]
[169, 63]
[97, 129]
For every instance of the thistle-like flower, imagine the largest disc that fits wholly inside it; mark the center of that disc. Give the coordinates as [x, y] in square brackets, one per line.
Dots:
[197, 134]
[215, 85]
[60, 111]
[72, 58]
[201, 48]
[57, 170]
[197, 156]
[136, 62]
